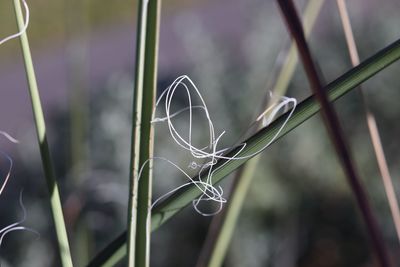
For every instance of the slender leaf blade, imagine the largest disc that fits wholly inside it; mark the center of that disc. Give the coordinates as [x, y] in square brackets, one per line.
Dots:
[55, 201]
[142, 257]
[136, 130]
[162, 212]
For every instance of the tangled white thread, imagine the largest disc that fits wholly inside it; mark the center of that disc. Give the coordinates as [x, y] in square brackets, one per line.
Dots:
[9, 137]
[26, 23]
[209, 154]
[7, 176]
[17, 225]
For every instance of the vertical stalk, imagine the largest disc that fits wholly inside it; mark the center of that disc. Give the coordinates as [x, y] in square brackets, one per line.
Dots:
[143, 143]
[223, 225]
[136, 129]
[371, 122]
[333, 125]
[55, 201]
[149, 95]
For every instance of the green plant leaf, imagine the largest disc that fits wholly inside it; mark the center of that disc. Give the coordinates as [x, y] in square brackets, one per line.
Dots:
[139, 219]
[306, 109]
[136, 130]
[55, 202]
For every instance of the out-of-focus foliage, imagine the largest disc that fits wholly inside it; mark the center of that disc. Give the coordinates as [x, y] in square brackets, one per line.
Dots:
[299, 211]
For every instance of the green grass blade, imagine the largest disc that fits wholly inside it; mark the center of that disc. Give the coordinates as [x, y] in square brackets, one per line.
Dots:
[143, 227]
[306, 109]
[55, 201]
[223, 225]
[136, 129]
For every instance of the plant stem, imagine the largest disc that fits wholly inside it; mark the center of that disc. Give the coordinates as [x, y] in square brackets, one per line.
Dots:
[48, 168]
[148, 86]
[136, 129]
[334, 128]
[166, 209]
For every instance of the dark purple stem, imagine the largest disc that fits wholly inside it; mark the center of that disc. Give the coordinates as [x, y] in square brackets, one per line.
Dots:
[332, 123]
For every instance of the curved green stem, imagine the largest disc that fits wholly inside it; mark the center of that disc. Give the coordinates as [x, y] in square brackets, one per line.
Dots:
[162, 212]
[143, 229]
[136, 130]
[48, 168]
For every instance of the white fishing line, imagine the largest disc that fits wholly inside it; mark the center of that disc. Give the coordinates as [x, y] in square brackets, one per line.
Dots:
[9, 137]
[7, 176]
[17, 225]
[208, 154]
[18, 222]
[209, 191]
[26, 23]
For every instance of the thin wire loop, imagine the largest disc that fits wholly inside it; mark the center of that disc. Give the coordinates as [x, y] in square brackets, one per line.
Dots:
[208, 154]
[24, 28]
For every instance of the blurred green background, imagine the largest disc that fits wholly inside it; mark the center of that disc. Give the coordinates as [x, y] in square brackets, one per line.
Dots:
[299, 211]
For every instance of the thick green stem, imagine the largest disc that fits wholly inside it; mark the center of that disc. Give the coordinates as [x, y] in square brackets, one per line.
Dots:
[48, 168]
[139, 219]
[136, 129]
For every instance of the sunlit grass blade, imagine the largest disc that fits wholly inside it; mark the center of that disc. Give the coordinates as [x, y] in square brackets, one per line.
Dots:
[136, 129]
[333, 126]
[162, 212]
[371, 122]
[146, 139]
[55, 201]
[222, 226]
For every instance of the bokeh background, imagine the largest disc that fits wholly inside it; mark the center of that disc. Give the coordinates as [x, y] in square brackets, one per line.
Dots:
[299, 210]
